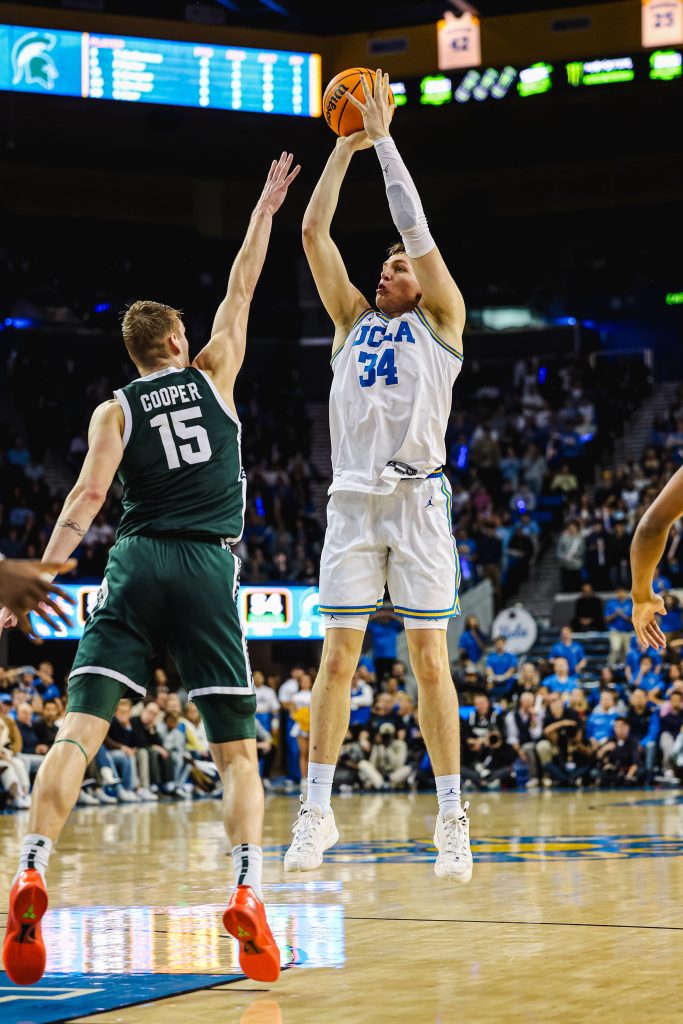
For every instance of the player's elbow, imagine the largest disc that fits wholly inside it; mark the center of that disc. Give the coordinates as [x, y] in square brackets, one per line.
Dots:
[311, 231]
[92, 496]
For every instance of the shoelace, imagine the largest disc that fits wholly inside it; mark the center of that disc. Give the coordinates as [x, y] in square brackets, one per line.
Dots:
[455, 836]
[303, 830]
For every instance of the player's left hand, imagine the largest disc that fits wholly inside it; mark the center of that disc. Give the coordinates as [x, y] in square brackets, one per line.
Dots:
[377, 111]
[645, 624]
[280, 177]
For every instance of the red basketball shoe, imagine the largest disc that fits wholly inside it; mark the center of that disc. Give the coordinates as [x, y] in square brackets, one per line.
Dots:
[23, 952]
[245, 919]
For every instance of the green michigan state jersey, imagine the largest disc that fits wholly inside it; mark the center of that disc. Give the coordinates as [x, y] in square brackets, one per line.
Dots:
[181, 469]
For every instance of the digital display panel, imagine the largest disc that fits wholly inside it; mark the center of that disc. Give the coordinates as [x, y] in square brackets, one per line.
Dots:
[267, 613]
[136, 70]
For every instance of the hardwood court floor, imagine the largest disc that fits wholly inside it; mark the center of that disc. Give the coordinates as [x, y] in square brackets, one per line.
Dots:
[573, 914]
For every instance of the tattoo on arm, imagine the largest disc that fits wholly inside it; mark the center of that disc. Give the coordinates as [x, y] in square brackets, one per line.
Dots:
[70, 524]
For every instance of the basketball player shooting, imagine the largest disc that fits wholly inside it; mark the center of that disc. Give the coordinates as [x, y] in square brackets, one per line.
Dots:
[647, 548]
[389, 514]
[171, 582]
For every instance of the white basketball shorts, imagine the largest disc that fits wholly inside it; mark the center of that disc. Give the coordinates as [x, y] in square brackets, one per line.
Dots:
[403, 540]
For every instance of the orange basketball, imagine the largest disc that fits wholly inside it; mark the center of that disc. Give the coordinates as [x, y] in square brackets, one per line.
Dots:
[342, 117]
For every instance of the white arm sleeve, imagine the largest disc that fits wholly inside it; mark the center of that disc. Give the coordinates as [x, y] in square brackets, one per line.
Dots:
[404, 200]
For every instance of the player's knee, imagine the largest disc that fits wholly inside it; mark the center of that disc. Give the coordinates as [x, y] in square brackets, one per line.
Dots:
[338, 667]
[428, 666]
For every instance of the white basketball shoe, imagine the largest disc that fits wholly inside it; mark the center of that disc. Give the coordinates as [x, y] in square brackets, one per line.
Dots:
[314, 832]
[452, 840]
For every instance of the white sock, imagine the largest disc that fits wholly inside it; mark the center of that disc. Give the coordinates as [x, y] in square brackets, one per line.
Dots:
[35, 853]
[448, 792]
[320, 785]
[248, 863]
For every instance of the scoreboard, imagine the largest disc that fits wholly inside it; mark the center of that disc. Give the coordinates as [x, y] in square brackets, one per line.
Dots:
[267, 613]
[136, 70]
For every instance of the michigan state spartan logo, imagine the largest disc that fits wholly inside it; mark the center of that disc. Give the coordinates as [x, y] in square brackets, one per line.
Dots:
[32, 62]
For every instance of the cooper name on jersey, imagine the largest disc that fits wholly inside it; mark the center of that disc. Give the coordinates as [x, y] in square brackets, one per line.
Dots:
[172, 395]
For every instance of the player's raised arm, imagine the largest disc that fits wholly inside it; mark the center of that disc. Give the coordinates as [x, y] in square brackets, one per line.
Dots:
[223, 356]
[105, 451]
[440, 293]
[342, 300]
[647, 549]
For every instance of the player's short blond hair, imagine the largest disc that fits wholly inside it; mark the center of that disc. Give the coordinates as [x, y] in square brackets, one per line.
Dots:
[145, 326]
[396, 249]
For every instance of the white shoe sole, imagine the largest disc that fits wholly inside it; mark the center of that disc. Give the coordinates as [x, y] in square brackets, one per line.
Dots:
[461, 876]
[292, 865]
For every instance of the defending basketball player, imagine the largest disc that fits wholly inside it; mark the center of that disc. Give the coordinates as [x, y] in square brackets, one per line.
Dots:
[171, 582]
[389, 514]
[647, 548]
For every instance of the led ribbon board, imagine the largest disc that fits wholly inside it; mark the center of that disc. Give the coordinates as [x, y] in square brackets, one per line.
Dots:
[600, 72]
[272, 613]
[95, 66]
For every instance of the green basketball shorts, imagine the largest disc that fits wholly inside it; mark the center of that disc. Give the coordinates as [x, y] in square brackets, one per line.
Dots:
[176, 595]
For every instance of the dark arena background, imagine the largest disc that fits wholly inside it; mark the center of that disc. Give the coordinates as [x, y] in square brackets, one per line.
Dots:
[545, 141]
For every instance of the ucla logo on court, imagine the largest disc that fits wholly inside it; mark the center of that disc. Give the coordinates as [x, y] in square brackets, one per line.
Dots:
[32, 62]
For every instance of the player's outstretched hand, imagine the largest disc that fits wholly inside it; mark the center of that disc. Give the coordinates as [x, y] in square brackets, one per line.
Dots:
[355, 142]
[26, 586]
[377, 110]
[280, 177]
[645, 624]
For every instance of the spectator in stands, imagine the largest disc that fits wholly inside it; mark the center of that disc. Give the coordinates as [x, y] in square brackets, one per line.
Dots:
[384, 627]
[290, 685]
[672, 622]
[528, 678]
[618, 551]
[649, 681]
[472, 640]
[569, 649]
[300, 711]
[644, 721]
[660, 583]
[362, 698]
[571, 765]
[571, 548]
[561, 681]
[560, 727]
[501, 668]
[355, 749]
[636, 653]
[600, 724]
[406, 682]
[33, 740]
[670, 725]
[619, 760]
[588, 611]
[565, 482]
[618, 612]
[523, 729]
[387, 766]
[14, 778]
[267, 703]
[120, 742]
[174, 737]
[487, 757]
[155, 769]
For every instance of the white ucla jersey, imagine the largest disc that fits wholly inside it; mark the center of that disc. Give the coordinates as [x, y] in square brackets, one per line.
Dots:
[390, 401]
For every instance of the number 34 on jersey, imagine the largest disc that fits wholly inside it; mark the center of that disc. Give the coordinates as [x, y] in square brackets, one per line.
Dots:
[380, 364]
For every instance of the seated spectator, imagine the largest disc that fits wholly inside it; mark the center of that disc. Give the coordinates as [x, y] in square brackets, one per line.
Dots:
[560, 725]
[14, 778]
[579, 705]
[618, 612]
[600, 724]
[670, 725]
[501, 668]
[571, 548]
[523, 729]
[672, 622]
[383, 711]
[560, 681]
[588, 611]
[362, 698]
[568, 648]
[267, 704]
[528, 678]
[571, 764]
[155, 768]
[406, 682]
[619, 760]
[387, 767]
[660, 582]
[384, 627]
[472, 640]
[643, 720]
[355, 748]
[649, 680]
[174, 737]
[33, 745]
[120, 742]
[44, 681]
[264, 748]
[564, 481]
[487, 759]
[634, 657]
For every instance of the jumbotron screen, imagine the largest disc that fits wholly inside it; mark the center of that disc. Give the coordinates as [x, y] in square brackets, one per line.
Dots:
[96, 66]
